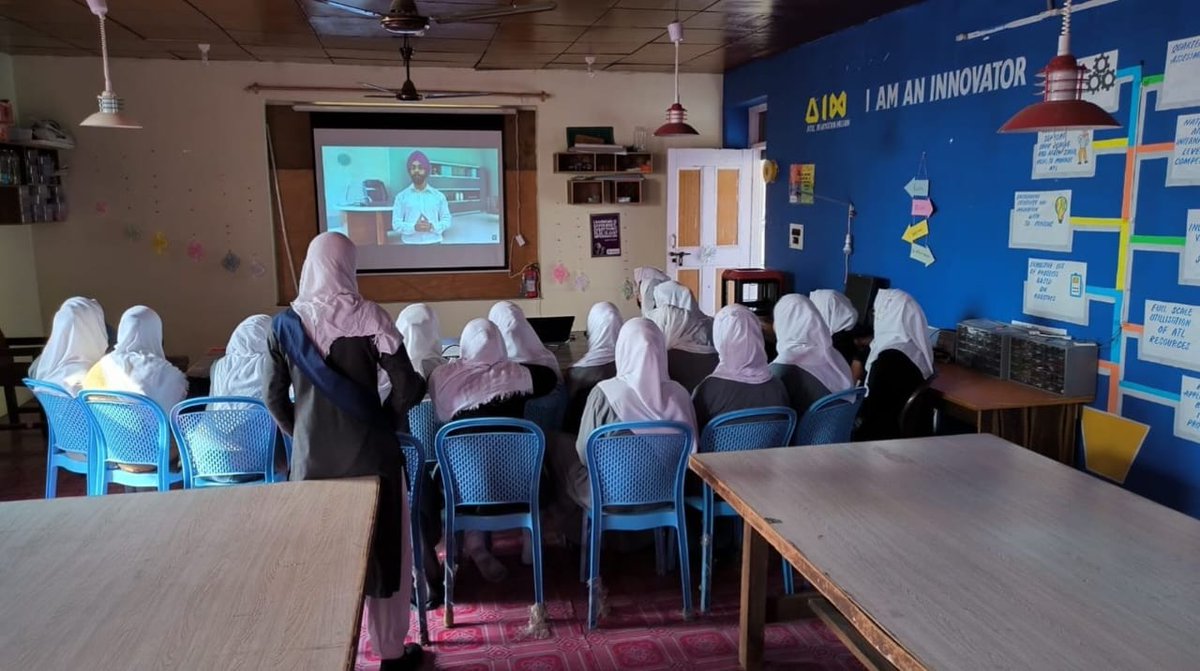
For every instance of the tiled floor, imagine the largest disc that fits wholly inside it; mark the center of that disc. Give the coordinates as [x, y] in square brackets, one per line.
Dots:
[644, 630]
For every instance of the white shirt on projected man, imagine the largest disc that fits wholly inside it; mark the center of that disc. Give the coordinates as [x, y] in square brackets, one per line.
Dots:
[411, 205]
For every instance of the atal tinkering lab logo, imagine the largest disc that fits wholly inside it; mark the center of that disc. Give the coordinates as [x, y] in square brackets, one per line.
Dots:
[826, 112]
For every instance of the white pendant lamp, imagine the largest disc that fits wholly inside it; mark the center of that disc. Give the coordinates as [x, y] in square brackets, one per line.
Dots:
[110, 114]
[676, 124]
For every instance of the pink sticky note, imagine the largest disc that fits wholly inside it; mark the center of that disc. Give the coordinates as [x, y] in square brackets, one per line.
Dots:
[922, 207]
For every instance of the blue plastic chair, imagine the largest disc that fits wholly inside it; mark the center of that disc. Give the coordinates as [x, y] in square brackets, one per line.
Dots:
[739, 431]
[414, 467]
[830, 419]
[423, 424]
[231, 444]
[70, 445]
[129, 429]
[491, 462]
[548, 411]
[636, 471]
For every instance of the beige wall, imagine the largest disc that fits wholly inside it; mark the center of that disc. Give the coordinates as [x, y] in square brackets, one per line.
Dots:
[199, 171]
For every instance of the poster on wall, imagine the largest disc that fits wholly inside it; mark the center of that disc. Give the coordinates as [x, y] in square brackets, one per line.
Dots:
[1056, 290]
[606, 234]
[1183, 168]
[1171, 335]
[1181, 78]
[1187, 413]
[1189, 261]
[1062, 154]
[802, 179]
[1100, 84]
[1041, 220]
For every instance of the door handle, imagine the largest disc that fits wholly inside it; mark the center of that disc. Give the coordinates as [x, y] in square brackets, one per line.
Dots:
[677, 257]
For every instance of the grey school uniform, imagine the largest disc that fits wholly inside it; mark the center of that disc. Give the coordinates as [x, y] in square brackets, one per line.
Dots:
[803, 388]
[690, 368]
[715, 396]
[580, 382]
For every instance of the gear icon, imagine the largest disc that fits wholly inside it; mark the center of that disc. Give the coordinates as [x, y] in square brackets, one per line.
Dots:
[1101, 76]
[1093, 82]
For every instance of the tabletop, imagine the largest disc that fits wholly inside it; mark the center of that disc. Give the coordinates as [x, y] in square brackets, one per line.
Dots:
[254, 577]
[975, 391]
[969, 552]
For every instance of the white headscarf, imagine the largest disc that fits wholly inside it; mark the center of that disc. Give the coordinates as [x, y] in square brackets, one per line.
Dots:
[329, 304]
[244, 369]
[803, 341]
[520, 340]
[647, 278]
[603, 326]
[900, 325]
[835, 308]
[482, 374]
[77, 340]
[642, 391]
[418, 324]
[737, 335]
[686, 328]
[137, 363]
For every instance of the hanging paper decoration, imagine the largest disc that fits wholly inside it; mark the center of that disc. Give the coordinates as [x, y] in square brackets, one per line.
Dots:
[257, 269]
[101, 207]
[195, 250]
[561, 273]
[627, 289]
[231, 262]
[160, 243]
[133, 233]
[582, 282]
[916, 234]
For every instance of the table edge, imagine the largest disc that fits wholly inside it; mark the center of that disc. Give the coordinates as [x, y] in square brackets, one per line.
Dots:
[356, 629]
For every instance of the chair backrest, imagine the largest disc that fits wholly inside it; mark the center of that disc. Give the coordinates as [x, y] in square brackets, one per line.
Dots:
[423, 423]
[490, 460]
[830, 419]
[638, 463]
[752, 429]
[69, 428]
[917, 417]
[232, 436]
[129, 428]
[414, 462]
[548, 411]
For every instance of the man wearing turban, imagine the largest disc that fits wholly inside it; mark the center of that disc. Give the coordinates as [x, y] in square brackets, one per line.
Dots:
[421, 212]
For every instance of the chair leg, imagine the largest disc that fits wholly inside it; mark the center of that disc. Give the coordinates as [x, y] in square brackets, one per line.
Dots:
[670, 547]
[419, 579]
[789, 580]
[594, 590]
[584, 532]
[706, 556]
[448, 611]
[685, 569]
[660, 567]
[51, 478]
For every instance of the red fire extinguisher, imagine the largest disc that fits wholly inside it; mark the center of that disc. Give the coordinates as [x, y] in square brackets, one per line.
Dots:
[530, 279]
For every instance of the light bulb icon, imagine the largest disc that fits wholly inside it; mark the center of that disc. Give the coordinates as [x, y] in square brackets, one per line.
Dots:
[1060, 207]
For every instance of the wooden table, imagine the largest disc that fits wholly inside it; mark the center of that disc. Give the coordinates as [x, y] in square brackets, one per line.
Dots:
[257, 577]
[367, 224]
[1036, 419]
[967, 552]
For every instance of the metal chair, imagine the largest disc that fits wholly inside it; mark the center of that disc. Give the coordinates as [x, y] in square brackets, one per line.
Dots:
[491, 463]
[130, 429]
[229, 442]
[548, 411]
[423, 424]
[739, 431]
[69, 438]
[414, 467]
[636, 471]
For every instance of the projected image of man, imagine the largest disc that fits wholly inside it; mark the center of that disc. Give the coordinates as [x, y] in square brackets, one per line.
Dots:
[420, 213]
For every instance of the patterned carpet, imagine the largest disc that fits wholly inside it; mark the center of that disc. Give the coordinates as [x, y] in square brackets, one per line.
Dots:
[644, 630]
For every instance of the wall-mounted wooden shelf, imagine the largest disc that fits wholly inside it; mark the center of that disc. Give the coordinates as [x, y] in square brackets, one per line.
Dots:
[31, 188]
[609, 189]
[585, 162]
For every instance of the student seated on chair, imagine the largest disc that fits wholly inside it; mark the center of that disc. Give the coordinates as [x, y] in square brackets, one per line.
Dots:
[742, 379]
[603, 325]
[245, 370]
[807, 363]
[331, 346]
[688, 333]
[484, 382]
[418, 324]
[901, 359]
[78, 340]
[849, 339]
[646, 280]
[641, 391]
[520, 340]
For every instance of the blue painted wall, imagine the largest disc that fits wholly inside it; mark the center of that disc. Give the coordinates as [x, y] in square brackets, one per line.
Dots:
[974, 172]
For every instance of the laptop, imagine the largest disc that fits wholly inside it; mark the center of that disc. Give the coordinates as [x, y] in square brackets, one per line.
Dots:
[553, 331]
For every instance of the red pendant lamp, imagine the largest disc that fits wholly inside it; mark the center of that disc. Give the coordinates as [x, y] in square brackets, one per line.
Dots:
[1062, 106]
[676, 124]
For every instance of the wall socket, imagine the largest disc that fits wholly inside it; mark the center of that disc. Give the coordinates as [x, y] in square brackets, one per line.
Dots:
[796, 236]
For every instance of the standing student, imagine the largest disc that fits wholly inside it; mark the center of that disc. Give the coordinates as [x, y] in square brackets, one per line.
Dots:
[418, 325]
[137, 363]
[330, 345]
[687, 332]
[850, 340]
[520, 340]
[742, 379]
[901, 360]
[485, 382]
[807, 363]
[245, 369]
[78, 339]
[603, 326]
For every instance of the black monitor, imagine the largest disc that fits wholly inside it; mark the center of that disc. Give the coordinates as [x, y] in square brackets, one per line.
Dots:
[861, 290]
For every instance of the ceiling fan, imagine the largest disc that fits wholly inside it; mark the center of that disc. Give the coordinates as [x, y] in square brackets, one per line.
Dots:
[402, 18]
[408, 91]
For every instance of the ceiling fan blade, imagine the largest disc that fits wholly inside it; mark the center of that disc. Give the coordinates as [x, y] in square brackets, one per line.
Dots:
[499, 12]
[380, 95]
[442, 95]
[351, 8]
[377, 87]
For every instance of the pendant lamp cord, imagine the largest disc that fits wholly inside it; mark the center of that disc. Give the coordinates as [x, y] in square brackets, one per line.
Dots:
[104, 55]
[677, 54]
